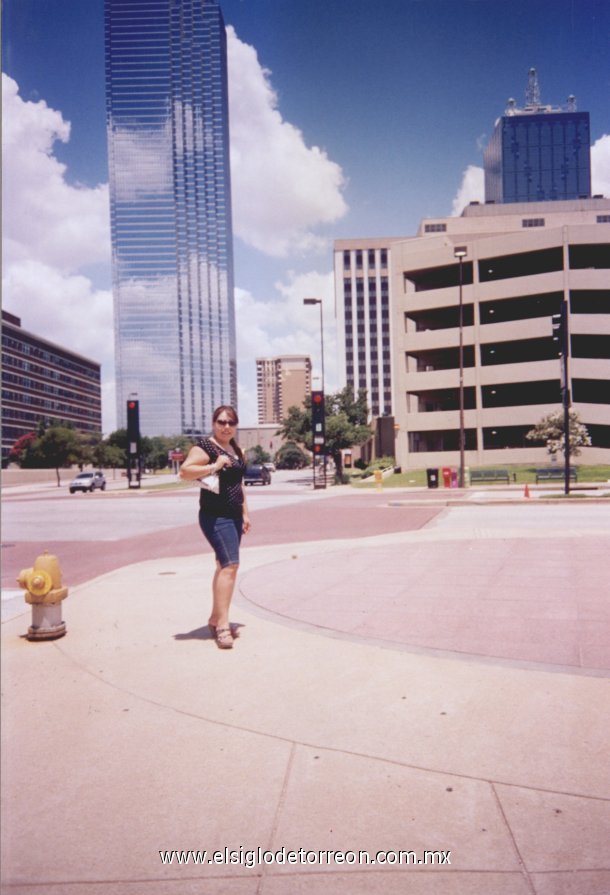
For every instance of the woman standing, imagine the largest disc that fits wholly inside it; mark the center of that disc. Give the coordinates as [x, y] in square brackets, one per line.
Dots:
[223, 517]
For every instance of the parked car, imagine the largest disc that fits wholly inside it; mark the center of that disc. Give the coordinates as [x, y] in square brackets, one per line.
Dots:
[269, 466]
[256, 473]
[88, 481]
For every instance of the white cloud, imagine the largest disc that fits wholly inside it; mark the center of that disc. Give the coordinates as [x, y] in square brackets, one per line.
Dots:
[282, 189]
[284, 325]
[45, 217]
[51, 231]
[600, 166]
[472, 189]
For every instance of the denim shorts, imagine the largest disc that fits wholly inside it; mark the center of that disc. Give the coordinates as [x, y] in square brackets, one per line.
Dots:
[224, 536]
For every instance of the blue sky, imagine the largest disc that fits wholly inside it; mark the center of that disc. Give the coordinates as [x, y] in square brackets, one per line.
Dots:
[355, 119]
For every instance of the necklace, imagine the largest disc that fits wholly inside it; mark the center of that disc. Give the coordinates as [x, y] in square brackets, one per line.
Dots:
[231, 452]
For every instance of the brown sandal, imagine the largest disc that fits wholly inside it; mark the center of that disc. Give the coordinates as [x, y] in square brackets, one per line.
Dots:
[224, 640]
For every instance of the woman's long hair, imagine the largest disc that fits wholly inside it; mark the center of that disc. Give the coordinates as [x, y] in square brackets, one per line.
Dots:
[233, 412]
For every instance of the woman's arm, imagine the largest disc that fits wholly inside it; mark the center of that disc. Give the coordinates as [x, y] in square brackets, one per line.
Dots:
[197, 464]
[247, 525]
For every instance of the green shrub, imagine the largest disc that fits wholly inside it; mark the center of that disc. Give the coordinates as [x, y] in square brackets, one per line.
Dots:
[380, 463]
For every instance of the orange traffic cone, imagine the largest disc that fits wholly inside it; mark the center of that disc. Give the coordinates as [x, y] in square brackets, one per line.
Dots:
[526, 493]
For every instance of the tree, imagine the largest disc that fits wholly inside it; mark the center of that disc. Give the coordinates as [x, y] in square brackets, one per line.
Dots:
[346, 424]
[258, 455]
[550, 429]
[156, 450]
[91, 448]
[59, 446]
[21, 447]
[290, 456]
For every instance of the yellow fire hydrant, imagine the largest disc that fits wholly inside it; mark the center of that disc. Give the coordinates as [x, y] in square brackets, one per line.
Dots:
[43, 590]
[378, 479]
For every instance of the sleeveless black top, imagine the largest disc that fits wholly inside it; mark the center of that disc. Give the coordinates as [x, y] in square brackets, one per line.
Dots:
[230, 501]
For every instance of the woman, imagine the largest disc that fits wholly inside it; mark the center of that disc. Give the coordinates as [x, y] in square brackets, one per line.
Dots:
[223, 517]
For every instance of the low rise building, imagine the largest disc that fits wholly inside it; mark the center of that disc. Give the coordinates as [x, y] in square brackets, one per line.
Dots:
[42, 381]
[520, 263]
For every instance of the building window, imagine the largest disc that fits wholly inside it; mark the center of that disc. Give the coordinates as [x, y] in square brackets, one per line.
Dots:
[435, 228]
[532, 222]
[603, 218]
[346, 260]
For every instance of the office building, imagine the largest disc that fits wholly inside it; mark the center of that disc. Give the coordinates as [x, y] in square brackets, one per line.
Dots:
[362, 295]
[170, 195]
[521, 261]
[263, 435]
[282, 382]
[538, 153]
[43, 382]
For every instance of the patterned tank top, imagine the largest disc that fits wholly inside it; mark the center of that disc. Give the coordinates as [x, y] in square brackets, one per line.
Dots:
[230, 501]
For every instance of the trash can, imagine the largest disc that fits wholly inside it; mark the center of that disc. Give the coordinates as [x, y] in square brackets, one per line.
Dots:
[432, 475]
[446, 476]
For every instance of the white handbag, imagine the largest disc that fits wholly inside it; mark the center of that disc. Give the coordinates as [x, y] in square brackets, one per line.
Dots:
[210, 482]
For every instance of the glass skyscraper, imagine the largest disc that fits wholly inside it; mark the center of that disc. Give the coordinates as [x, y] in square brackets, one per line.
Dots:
[538, 153]
[170, 202]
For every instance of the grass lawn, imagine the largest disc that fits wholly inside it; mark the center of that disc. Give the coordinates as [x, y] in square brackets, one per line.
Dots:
[521, 473]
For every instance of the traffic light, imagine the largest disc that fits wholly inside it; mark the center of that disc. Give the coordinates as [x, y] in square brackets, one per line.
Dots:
[559, 323]
[133, 426]
[134, 470]
[318, 422]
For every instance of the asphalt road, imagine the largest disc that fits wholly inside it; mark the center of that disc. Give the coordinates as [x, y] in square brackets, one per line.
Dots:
[95, 533]
[537, 548]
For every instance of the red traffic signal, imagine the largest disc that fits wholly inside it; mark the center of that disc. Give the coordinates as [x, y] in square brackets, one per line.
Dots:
[133, 422]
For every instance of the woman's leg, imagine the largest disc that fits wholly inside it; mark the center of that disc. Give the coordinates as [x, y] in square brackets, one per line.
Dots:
[224, 535]
[223, 585]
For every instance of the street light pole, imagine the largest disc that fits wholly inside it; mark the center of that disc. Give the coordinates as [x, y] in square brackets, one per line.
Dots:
[460, 253]
[318, 301]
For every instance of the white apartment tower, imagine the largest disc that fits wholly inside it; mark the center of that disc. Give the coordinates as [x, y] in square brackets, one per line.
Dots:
[362, 291]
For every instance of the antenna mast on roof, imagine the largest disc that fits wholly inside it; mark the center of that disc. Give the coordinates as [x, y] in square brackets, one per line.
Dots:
[532, 94]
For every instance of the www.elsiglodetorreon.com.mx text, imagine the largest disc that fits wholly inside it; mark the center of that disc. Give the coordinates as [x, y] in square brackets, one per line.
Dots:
[256, 857]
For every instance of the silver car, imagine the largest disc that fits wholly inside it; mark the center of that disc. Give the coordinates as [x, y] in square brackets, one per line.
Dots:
[88, 481]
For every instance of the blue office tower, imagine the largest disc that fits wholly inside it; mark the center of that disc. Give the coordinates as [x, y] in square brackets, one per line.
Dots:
[170, 201]
[538, 153]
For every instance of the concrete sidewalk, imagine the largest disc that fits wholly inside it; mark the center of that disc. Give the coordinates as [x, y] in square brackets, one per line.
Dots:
[134, 734]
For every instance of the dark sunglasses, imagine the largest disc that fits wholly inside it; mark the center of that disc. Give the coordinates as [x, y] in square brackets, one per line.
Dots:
[226, 422]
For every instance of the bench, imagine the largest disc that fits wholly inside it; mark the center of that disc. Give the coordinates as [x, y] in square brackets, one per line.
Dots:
[555, 473]
[489, 475]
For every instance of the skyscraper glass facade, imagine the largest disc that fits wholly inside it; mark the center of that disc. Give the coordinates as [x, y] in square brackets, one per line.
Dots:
[170, 200]
[539, 156]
